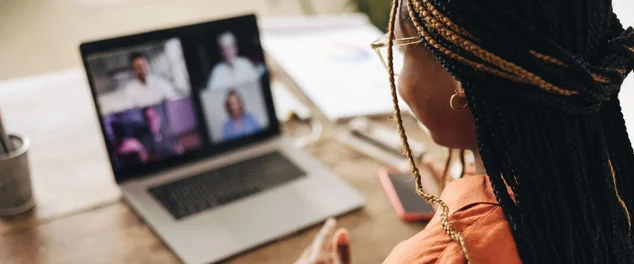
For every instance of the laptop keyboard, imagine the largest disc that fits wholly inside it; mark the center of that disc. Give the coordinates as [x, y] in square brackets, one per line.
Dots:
[224, 185]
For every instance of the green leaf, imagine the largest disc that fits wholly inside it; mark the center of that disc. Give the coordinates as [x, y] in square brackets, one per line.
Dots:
[377, 10]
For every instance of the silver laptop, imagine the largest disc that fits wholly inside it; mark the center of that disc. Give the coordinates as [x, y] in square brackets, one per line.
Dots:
[188, 120]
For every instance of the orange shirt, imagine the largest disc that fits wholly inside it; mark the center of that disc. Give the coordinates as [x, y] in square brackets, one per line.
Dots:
[477, 216]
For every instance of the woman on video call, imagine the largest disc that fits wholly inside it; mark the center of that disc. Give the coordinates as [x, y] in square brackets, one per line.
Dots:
[239, 122]
[531, 87]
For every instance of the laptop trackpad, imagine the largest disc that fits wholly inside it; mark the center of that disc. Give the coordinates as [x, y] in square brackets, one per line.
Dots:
[269, 215]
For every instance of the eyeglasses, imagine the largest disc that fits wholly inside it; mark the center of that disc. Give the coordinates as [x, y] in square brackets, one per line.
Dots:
[380, 46]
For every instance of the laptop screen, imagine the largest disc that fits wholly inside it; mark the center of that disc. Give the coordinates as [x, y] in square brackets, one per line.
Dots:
[172, 96]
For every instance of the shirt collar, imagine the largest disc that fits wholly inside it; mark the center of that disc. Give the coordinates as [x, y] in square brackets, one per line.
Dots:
[467, 191]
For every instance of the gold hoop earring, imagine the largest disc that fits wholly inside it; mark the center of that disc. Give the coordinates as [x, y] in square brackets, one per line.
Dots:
[451, 103]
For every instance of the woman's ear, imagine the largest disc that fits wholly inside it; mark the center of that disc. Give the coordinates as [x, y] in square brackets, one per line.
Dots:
[458, 100]
[459, 90]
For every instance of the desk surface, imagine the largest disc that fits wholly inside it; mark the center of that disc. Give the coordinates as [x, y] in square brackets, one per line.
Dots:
[80, 218]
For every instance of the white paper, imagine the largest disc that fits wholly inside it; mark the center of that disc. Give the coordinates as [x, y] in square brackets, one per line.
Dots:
[301, 24]
[336, 69]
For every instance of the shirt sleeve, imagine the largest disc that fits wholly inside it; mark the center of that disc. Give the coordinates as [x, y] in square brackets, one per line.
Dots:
[486, 233]
[118, 100]
[213, 76]
[167, 88]
[253, 73]
[248, 72]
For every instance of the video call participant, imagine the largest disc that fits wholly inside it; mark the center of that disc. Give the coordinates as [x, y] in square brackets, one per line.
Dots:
[145, 88]
[233, 70]
[129, 150]
[240, 123]
[158, 141]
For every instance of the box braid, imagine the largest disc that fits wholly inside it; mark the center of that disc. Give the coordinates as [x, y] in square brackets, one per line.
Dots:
[444, 209]
[542, 81]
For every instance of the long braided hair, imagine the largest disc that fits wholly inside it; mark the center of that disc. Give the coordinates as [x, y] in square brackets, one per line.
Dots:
[542, 80]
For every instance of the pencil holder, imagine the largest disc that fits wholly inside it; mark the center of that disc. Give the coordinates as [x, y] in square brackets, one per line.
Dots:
[16, 194]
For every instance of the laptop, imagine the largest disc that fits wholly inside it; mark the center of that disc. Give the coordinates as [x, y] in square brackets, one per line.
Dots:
[195, 146]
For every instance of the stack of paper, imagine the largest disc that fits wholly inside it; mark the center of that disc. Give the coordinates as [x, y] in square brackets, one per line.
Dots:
[331, 61]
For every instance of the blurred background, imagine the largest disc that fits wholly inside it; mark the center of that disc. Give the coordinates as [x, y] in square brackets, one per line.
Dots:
[41, 36]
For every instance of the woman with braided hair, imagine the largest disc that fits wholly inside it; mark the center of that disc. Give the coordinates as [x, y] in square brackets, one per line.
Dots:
[531, 88]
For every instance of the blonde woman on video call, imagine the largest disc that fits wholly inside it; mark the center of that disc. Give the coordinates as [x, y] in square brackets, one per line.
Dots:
[531, 88]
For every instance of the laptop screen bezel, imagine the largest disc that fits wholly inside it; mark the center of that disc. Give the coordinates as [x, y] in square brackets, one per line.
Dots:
[208, 148]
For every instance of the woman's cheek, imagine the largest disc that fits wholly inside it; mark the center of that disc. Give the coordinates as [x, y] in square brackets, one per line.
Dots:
[405, 89]
[412, 95]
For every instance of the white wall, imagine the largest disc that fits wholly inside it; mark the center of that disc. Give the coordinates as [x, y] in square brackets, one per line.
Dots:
[625, 10]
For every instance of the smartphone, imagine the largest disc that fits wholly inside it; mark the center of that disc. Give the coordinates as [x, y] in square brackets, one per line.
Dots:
[401, 191]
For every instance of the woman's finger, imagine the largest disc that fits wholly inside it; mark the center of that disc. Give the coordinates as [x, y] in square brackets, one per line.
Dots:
[323, 238]
[341, 247]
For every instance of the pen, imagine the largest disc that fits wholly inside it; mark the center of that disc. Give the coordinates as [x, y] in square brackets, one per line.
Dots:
[5, 144]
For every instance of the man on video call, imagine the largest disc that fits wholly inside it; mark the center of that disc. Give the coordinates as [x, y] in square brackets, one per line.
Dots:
[158, 141]
[146, 88]
[233, 70]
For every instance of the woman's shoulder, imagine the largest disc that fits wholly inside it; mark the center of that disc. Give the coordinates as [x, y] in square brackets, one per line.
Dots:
[476, 216]
[248, 116]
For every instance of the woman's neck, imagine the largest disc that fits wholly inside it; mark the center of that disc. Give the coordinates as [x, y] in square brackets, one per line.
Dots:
[479, 165]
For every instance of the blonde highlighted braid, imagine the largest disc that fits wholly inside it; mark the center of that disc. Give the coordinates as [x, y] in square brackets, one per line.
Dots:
[460, 37]
[442, 206]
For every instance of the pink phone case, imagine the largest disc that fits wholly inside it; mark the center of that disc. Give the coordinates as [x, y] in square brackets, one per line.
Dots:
[384, 176]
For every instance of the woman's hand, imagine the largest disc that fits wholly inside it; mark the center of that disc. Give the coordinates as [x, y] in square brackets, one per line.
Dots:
[328, 247]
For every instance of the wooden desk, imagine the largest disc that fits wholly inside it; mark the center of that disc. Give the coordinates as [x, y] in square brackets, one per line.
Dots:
[80, 218]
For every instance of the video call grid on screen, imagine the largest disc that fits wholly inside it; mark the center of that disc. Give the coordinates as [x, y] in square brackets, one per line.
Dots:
[174, 95]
